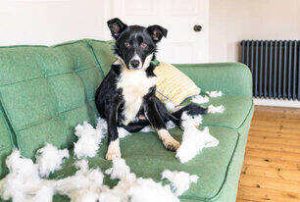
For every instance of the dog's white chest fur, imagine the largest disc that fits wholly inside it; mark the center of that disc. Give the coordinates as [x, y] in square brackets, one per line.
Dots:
[135, 85]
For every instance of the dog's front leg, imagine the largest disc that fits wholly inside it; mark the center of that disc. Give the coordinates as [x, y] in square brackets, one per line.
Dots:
[113, 150]
[157, 120]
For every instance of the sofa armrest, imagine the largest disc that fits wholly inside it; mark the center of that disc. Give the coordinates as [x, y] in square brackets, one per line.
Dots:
[233, 79]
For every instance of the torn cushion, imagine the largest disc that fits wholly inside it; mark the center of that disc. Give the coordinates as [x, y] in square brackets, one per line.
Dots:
[173, 85]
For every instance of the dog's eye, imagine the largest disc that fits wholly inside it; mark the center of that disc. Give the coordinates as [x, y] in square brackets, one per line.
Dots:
[127, 45]
[143, 45]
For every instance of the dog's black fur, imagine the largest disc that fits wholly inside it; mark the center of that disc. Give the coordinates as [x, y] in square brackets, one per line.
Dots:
[135, 47]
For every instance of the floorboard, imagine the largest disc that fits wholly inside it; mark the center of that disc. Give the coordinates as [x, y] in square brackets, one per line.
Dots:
[271, 171]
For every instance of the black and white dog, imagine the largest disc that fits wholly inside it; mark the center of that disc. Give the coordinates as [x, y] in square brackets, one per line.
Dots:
[126, 97]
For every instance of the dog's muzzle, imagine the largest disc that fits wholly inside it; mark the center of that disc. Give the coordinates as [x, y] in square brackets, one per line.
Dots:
[135, 62]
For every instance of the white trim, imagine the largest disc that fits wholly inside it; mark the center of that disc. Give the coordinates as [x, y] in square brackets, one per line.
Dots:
[277, 103]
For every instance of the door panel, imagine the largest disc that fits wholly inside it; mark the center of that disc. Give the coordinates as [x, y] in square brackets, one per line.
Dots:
[183, 44]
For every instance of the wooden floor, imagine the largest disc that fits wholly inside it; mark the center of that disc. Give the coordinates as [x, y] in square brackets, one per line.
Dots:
[271, 170]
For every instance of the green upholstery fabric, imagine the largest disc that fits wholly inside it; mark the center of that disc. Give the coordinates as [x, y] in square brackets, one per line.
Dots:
[147, 157]
[236, 108]
[46, 91]
[218, 174]
[230, 186]
[6, 142]
[233, 79]
[103, 51]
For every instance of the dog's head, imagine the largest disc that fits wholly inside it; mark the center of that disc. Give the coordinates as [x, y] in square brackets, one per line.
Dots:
[135, 45]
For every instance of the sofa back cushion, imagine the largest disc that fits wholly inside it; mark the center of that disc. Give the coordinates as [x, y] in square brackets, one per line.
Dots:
[46, 91]
[103, 51]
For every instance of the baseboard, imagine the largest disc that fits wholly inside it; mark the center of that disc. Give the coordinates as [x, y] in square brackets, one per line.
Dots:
[277, 103]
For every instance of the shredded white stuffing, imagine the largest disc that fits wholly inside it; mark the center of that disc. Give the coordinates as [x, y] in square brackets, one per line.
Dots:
[101, 126]
[131, 188]
[147, 190]
[199, 99]
[23, 183]
[123, 132]
[49, 159]
[170, 125]
[180, 181]
[147, 129]
[193, 139]
[120, 170]
[170, 106]
[218, 109]
[86, 185]
[102, 129]
[214, 93]
[45, 193]
[89, 140]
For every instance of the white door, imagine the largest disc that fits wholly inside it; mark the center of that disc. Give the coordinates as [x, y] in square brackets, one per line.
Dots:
[183, 44]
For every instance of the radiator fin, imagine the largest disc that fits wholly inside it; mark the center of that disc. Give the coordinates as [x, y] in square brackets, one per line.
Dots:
[275, 67]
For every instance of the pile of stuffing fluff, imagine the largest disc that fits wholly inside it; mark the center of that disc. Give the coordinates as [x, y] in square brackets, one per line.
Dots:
[27, 181]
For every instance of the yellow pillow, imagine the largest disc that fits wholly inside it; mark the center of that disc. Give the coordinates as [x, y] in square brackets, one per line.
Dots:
[173, 85]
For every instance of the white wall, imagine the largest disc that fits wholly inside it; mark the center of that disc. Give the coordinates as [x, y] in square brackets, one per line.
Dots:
[52, 21]
[231, 21]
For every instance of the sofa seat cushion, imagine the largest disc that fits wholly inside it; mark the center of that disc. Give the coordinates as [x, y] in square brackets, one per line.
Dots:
[147, 157]
[236, 110]
[46, 91]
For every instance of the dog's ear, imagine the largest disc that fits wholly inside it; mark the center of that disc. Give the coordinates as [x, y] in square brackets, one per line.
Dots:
[157, 32]
[116, 27]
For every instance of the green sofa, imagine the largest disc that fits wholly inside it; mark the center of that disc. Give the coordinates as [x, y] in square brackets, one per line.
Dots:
[46, 91]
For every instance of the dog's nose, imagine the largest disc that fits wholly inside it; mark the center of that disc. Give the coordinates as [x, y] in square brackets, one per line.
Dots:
[134, 63]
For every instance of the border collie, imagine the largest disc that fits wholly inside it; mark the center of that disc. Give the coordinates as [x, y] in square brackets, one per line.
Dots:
[126, 97]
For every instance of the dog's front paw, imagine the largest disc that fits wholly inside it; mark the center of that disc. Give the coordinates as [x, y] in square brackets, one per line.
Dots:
[112, 154]
[171, 144]
[113, 151]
